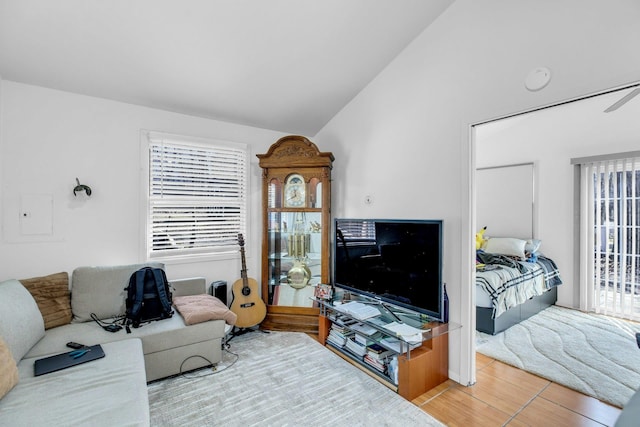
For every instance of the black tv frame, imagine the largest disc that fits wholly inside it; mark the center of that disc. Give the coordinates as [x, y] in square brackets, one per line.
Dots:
[430, 314]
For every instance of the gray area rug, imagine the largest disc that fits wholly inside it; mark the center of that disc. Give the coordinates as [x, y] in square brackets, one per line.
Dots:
[593, 354]
[280, 379]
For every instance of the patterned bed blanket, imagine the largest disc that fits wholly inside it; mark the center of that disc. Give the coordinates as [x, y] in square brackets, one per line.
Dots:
[509, 282]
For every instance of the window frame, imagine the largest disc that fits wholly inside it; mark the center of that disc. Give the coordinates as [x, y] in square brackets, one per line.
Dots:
[147, 138]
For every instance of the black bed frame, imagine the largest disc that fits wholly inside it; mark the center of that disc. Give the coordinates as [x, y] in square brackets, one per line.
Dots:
[515, 315]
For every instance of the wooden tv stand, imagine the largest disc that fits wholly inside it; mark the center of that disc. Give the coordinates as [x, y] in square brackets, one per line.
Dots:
[418, 370]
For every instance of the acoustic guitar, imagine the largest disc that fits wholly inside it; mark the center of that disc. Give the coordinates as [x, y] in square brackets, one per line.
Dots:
[247, 303]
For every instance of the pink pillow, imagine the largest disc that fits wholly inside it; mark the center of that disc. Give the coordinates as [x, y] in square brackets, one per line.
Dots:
[202, 308]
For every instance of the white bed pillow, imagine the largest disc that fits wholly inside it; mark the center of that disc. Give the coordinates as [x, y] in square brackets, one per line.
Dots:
[506, 246]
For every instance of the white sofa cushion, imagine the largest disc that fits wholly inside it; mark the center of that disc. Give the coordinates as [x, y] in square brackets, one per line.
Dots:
[111, 391]
[156, 336]
[101, 290]
[630, 413]
[21, 324]
[166, 343]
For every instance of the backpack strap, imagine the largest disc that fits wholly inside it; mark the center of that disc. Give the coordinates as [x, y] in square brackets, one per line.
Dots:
[137, 304]
[161, 281]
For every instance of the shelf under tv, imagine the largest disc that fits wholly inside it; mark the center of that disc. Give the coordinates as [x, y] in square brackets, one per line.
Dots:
[418, 369]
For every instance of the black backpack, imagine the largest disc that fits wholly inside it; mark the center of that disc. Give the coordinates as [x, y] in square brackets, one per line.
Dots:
[148, 297]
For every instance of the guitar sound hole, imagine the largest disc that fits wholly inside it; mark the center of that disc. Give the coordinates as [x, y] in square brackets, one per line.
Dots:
[246, 291]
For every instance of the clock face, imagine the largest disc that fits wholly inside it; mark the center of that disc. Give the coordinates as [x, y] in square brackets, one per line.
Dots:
[294, 192]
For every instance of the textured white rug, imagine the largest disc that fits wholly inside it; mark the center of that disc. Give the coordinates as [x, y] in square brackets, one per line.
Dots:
[280, 379]
[593, 354]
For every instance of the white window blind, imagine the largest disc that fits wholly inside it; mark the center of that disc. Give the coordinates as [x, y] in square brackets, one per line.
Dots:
[197, 196]
[358, 230]
[610, 229]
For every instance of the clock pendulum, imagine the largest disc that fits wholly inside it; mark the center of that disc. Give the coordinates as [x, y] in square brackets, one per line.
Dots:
[299, 243]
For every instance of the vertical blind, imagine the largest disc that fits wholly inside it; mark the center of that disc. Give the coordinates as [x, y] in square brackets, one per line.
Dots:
[611, 237]
[197, 197]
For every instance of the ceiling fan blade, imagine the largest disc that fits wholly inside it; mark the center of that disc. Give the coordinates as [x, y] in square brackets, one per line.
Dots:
[628, 97]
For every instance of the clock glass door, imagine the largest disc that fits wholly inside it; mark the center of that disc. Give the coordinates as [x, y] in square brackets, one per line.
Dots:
[294, 241]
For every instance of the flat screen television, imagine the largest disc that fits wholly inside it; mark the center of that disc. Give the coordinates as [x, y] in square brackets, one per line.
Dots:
[394, 261]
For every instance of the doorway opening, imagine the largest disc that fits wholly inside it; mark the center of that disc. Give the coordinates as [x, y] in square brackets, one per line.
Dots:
[557, 188]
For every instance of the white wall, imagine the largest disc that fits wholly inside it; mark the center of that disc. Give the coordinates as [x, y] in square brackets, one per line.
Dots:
[48, 138]
[405, 138]
[551, 138]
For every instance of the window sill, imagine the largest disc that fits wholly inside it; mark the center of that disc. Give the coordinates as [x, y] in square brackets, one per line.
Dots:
[191, 259]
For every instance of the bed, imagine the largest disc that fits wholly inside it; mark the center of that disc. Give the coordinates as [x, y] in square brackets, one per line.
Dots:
[514, 281]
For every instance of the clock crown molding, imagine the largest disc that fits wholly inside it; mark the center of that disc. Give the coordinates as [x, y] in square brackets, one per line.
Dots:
[294, 150]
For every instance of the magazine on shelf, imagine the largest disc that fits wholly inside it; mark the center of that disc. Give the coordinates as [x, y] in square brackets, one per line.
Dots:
[378, 365]
[339, 328]
[363, 329]
[358, 310]
[338, 342]
[355, 347]
[364, 340]
[343, 320]
[406, 332]
[397, 345]
[378, 352]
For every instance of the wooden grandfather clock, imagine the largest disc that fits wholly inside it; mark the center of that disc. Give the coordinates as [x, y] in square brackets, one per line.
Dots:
[296, 203]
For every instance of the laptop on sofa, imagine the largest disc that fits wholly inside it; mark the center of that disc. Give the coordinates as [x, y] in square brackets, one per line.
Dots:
[67, 360]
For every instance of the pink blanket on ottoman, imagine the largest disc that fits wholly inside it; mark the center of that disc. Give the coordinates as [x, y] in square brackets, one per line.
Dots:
[202, 308]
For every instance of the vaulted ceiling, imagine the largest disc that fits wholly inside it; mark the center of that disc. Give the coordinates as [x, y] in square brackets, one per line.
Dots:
[286, 65]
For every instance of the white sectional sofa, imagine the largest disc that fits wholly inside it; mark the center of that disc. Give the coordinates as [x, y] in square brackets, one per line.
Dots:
[630, 415]
[108, 391]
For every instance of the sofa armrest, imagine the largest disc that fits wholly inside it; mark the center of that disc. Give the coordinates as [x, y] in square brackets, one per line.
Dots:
[630, 413]
[190, 286]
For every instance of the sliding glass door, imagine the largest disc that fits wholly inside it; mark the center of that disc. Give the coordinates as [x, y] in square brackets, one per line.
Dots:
[611, 236]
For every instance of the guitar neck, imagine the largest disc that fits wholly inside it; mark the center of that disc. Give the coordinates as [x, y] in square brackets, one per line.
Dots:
[243, 272]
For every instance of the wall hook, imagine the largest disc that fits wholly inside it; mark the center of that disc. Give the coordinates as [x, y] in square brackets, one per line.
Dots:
[81, 187]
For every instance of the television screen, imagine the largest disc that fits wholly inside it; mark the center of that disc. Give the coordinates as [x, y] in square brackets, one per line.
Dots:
[395, 261]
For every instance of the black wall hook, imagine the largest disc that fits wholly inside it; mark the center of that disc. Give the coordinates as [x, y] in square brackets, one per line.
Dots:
[81, 187]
